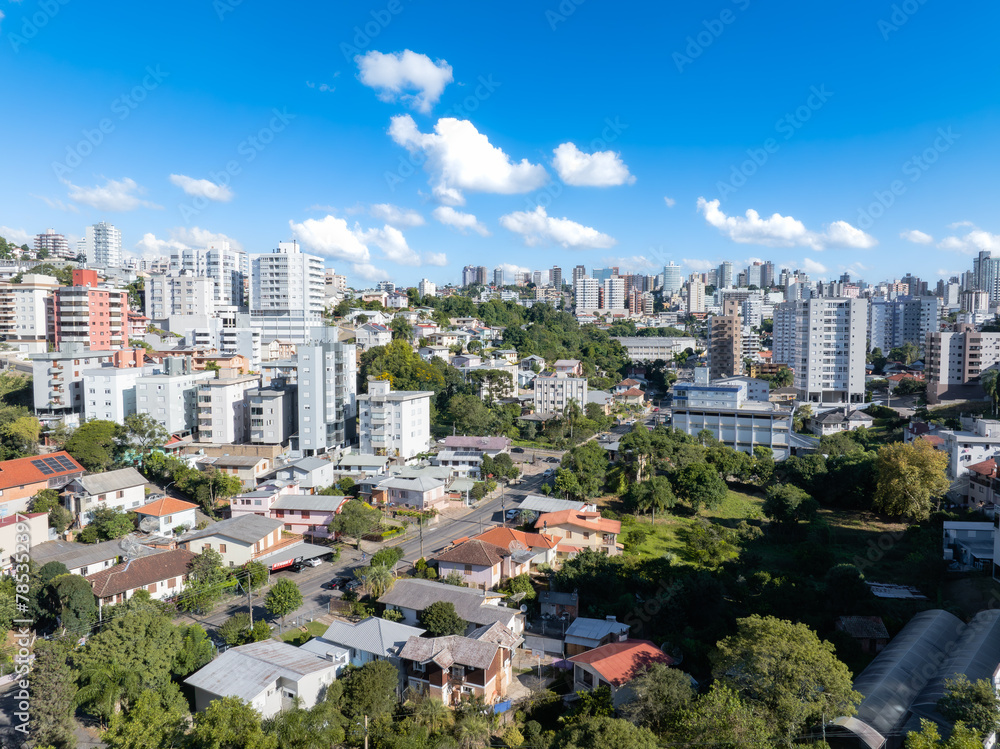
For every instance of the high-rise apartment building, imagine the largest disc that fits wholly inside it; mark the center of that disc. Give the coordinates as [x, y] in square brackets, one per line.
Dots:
[725, 275]
[672, 282]
[555, 277]
[427, 288]
[182, 294]
[227, 267]
[725, 342]
[53, 245]
[695, 295]
[587, 293]
[23, 317]
[579, 272]
[393, 422]
[498, 277]
[614, 293]
[287, 291]
[956, 360]
[824, 342]
[88, 314]
[903, 320]
[103, 245]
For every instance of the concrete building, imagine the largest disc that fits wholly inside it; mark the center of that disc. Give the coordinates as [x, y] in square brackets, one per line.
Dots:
[272, 414]
[57, 380]
[53, 245]
[906, 319]
[427, 288]
[370, 335]
[228, 268]
[124, 489]
[956, 360]
[393, 423]
[695, 295]
[239, 539]
[287, 291]
[109, 392]
[23, 316]
[103, 245]
[587, 295]
[824, 342]
[172, 397]
[183, 294]
[725, 342]
[223, 412]
[672, 280]
[614, 293]
[553, 393]
[88, 314]
[649, 349]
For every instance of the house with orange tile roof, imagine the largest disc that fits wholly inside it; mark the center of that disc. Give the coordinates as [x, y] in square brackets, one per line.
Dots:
[543, 546]
[982, 479]
[575, 530]
[162, 575]
[168, 513]
[22, 478]
[615, 665]
[496, 555]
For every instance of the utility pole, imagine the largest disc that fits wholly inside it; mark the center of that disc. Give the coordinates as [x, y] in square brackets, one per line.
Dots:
[420, 523]
[366, 732]
[249, 596]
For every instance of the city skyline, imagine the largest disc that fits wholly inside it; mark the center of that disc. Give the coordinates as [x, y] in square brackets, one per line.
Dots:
[399, 148]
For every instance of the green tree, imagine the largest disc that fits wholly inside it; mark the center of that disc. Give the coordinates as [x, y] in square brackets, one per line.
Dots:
[654, 494]
[441, 619]
[144, 432]
[787, 670]
[973, 703]
[658, 693]
[908, 478]
[195, 651]
[71, 599]
[589, 463]
[107, 688]
[53, 695]
[151, 723]
[111, 523]
[991, 386]
[845, 587]
[230, 723]
[93, 445]
[371, 689]
[236, 629]
[47, 500]
[719, 718]
[699, 484]
[432, 713]
[356, 519]
[283, 598]
[928, 737]
[401, 329]
[378, 579]
[22, 433]
[788, 505]
[469, 415]
[603, 732]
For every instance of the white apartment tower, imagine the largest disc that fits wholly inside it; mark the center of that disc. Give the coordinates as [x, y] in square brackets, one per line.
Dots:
[228, 268]
[672, 282]
[184, 294]
[695, 295]
[287, 291]
[103, 246]
[824, 342]
[614, 293]
[427, 288]
[54, 244]
[394, 423]
[326, 375]
[587, 292]
[23, 321]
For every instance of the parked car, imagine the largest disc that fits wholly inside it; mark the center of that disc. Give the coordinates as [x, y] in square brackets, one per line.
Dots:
[517, 449]
[314, 562]
[513, 512]
[553, 459]
[353, 584]
[336, 583]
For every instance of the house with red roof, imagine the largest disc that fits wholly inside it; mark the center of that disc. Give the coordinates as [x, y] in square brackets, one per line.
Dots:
[162, 575]
[496, 555]
[168, 513]
[982, 480]
[22, 478]
[543, 546]
[615, 665]
[575, 530]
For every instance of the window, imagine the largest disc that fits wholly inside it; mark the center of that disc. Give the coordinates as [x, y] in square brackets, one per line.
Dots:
[222, 548]
[468, 569]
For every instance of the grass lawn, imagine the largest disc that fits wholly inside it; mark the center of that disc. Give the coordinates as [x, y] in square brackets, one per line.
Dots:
[954, 410]
[297, 637]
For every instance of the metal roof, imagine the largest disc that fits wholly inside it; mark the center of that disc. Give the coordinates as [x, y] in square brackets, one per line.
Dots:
[246, 528]
[549, 504]
[75, 555]
[248, 670]
[372, 635]
[311, 502]
[470, 604]
[102, 483]
[307, 464]
[584, 631]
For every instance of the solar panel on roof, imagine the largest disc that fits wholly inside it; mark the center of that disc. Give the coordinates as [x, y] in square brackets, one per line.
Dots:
[40, 465]
[53, 464]
[66, 463]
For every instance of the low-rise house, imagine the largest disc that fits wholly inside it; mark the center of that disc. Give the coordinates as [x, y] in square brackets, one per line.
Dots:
[247, 468]
[430, 352]
[22, 478]
[269, 675]
[578, 530]
[370, 335]
[586, 634]
[625, 385]
[457, 668]
[570, 367]
[969, 543]
[479, 608]
[615, 665]
[839, 420]
[541, 546]
[168, 513]
[982, 483]
[418, 493]
[239, 539]
[491, 446]
[13, 530]
[604, 400]
[311, 474]
[162, 575]
[869, 631]
[541, 504]
[631, 397]
[307, 514]
[461, 462]
[123, 490]
[531, 362]
[85, 559]
[481, 564]
[558, 605]
[356, 464]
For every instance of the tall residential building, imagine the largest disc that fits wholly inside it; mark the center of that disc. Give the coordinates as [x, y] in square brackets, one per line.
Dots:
[498, 277]
[902, 320]
[614, 294]
[286, 293]
[53, 245]
[272, 414]
[695, 295]
[223, 410]
[183, 294]
[536, 277]
[725, 342]
[725, 275]
[468, 275]
[767, 275]
[171, 398]
[393, 422]
[57, 380]
[104, 246]
[555, 277]
[826, 347]
[227, 267]
[23, 318]
[427, 288]
[109, 391]
[88, 314]
[587, 293]
[955, 361]
[553, 393]
[579, 272]
[672, 282]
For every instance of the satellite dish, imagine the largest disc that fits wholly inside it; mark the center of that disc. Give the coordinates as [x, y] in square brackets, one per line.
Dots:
[524, 608]
[149, 524]
[129, 546]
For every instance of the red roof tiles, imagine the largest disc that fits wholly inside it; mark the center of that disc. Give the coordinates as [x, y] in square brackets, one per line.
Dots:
[22, 471]
[620, 662]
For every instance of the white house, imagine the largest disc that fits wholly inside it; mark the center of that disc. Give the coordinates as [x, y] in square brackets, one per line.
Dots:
[123, 490]
[370, 335]
[161, 575]
[371, 639]
[168, 513]
[239, 539]
[311, 474]
[269, 675]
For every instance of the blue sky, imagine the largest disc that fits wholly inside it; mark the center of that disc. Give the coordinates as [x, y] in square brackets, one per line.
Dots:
[405, 139]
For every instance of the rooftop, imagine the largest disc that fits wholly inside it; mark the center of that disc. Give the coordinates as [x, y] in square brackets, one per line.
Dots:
[372, 635]
[33, 470]
[140, 572]
[579, 519]
[471, 604]
[246, 528]
[620, 662]
[475, 552]
[166, 506]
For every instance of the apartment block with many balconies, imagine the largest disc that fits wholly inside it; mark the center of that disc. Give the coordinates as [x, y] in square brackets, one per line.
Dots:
[23, 317]
[955, 360]
[394, 423]
[88, 314]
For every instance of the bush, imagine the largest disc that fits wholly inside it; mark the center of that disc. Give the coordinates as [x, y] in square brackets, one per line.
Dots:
[387, 557]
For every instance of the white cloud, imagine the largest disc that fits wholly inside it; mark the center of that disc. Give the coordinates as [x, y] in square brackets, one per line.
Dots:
[182, 237]
[811, 266]
[392, 74]
[972, 243]
[17, 236]
[324, 87]
[599, 169]
[635, 262]
[960, 224]
[782, 231]
[113, 195]
[459, 157]
[396, 216]
[462, 221]
[537, 227]
[332, 237]
[202, 188]
[57, 204]
[948, 273]
[699, 266]
[392, 243]
[512, 269]
[439, 259]
[669, 201]
[916, 236]
[368, 272]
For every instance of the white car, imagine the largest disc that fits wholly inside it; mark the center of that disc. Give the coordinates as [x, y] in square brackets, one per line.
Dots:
[314, 562]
